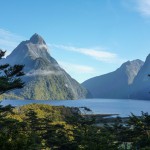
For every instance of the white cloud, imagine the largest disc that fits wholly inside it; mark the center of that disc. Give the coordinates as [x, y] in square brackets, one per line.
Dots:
[143, 7]
[9, 40]
[42, 46]
[79, 72]
[43, 72]
[81, 69]
[98, 54]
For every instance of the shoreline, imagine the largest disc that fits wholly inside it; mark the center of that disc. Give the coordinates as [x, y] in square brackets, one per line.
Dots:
[101, 119]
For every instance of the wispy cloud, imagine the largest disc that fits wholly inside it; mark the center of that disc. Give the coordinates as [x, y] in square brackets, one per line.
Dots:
[43, 72]
[98, 54]
[9, 40]
[79, 72]
[143, 6]
[76, 68]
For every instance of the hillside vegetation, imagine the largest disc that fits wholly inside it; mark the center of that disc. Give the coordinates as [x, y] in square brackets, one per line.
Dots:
[44, 127]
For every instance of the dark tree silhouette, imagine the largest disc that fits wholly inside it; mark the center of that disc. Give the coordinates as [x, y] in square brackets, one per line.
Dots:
[10, 76]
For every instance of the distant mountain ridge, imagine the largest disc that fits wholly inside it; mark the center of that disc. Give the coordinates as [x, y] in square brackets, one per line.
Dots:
[44, 78]
[117, 84]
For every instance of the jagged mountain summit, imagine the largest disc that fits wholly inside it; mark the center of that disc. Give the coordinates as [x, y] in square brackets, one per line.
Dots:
[116, 84]
[30, 52]
[44, 78]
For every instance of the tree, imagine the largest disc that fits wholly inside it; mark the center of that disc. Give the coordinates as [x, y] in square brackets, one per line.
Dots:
[140, 131]
[10, 76]
[10, 135]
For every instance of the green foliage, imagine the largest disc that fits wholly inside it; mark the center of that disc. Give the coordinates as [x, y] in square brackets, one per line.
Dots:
[9, 78]
[140, 130]
[38, 126]
[56, 113]
[49, 87]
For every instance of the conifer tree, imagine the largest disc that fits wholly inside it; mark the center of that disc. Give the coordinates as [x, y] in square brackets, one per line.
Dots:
[10, 76]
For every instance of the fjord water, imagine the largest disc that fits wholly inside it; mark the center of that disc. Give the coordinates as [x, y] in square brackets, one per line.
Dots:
[123, 107]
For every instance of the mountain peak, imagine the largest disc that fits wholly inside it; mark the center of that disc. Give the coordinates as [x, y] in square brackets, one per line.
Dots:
[30, 50]
[44, 78]
[37, 39]
[132, 63]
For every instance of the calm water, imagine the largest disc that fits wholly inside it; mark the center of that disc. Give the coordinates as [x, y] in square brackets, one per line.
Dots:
[98, 106]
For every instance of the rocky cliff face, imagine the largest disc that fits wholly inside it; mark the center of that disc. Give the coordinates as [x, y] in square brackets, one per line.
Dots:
[141, 84]
[116, 84]
[44, 78]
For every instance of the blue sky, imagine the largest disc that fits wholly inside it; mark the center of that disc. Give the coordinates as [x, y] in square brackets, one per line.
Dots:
[87, 37]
